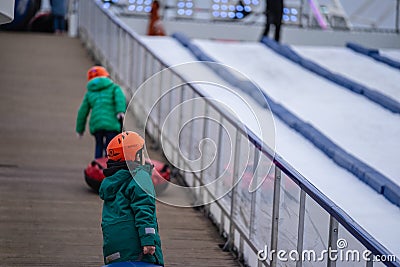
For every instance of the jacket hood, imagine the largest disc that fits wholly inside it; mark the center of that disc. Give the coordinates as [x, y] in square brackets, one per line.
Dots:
[99, 83]
[111, 185]
[146, 167]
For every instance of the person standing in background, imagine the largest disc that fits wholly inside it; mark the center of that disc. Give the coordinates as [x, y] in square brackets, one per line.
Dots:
[59, 10]
[155, 27]
[274, 13]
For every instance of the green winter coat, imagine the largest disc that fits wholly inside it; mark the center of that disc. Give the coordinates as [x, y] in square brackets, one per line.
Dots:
[129, 216]
[105, 100]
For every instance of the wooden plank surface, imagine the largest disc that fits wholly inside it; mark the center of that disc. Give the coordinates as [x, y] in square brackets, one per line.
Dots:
[48, 215]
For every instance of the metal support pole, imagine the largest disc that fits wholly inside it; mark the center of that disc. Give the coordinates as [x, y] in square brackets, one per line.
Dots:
[300, 230]
[275, 214]
[231, 238]
[72, 18]
[203, 147]
[192, 129]
[222, 224]
[219, 154]
[203, 152]
[252, 228]
[241, 249]
[157, 138]
[333, 238]
[119, 66]
[370, 263]
[180, 122]
[132, 68]
[398, 16]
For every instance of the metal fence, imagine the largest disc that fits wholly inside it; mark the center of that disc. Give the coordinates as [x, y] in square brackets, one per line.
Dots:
[287, 221]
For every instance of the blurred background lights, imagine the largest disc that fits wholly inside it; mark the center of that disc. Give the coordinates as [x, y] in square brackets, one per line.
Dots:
[137, 6]
[239, 15]
[185, 8]
[233, 9]
[217, 9]
[285, 17]
[290, 15]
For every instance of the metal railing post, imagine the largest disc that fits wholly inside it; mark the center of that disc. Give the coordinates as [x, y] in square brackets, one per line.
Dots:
[252, 228]
[192, 131]
[231, 237]
[275, 214]
[370, 262]
[397, 26]
[157, 138]
[203, 147]
[218, 170]
[333, 238]
[300, 230]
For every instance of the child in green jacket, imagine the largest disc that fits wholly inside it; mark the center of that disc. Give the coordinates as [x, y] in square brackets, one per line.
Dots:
[129, 222]
[106, 102]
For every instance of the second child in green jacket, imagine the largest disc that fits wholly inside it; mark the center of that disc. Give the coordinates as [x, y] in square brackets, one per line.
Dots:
[129, 221]
[106, 103]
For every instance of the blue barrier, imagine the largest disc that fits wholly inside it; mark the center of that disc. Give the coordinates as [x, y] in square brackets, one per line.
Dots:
[367, 174]
[373, 53]
[373, 95]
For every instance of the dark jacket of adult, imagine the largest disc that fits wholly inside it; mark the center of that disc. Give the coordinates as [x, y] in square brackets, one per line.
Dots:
[275, 7]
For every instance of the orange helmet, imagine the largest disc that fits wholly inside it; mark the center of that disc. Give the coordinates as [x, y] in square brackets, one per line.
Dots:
[97, 71]
[125, 146]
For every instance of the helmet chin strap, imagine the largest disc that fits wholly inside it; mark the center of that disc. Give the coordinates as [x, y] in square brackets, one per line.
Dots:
[139, 156]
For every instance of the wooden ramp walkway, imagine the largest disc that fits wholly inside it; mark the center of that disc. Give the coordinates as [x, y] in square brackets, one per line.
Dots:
[48, 216]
